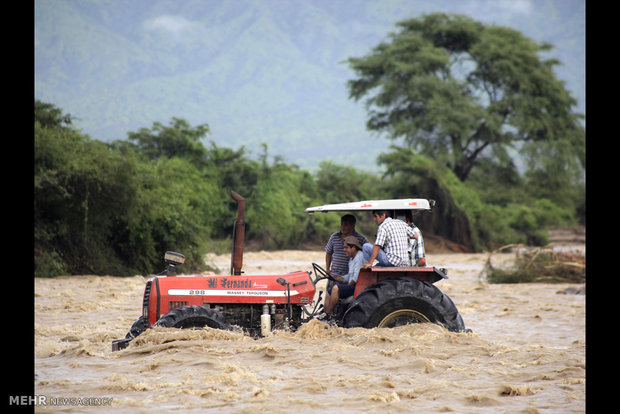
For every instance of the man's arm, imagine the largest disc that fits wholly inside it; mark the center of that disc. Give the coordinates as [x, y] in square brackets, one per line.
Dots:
[411, 232]
[328, 262]
[373, 256]
[355, 267]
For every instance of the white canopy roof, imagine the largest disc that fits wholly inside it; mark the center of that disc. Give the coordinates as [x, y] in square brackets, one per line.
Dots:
[370, 205]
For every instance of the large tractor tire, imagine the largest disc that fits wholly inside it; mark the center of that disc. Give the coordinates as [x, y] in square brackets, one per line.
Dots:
[137, 328]
[193, 317]
[395, 302]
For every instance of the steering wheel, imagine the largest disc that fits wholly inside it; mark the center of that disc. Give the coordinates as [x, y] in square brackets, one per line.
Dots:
[320, 275]
[323, 273]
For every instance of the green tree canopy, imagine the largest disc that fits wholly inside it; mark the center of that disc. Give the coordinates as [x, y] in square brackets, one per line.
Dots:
[457, 91]
[47, 115]
[113, 209]
[177, 140]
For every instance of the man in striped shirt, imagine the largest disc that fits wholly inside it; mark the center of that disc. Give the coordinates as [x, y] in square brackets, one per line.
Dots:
[391, 247]
[336, 261]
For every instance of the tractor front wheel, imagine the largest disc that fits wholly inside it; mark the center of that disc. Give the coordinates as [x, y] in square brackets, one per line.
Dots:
[193, 317]
[395, 302]
[137, 328]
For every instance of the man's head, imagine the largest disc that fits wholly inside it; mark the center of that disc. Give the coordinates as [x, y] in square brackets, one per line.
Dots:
[408, 217]
[351, 246]
[379, 216]
[347, 224]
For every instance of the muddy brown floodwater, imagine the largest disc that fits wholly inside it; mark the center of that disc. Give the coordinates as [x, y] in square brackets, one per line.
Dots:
[526, 353]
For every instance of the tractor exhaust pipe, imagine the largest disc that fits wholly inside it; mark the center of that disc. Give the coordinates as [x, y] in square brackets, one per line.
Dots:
[236, 261]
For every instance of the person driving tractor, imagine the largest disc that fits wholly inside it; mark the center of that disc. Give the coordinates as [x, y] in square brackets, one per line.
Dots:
[345, 285]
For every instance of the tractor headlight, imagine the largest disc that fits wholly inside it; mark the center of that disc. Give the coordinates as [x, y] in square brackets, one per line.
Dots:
[174, 258]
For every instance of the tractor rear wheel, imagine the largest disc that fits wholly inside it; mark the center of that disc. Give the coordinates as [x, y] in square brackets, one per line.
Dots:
[395, 302]
[193, 317]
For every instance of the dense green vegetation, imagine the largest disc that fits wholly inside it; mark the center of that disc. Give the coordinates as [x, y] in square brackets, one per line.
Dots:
[115, 208]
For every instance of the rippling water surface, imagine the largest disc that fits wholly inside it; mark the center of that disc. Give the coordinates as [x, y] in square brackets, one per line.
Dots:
[526, 352]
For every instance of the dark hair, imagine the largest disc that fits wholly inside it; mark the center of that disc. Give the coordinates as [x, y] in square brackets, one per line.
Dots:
[409, 215]
[348, 218]
[381, 212]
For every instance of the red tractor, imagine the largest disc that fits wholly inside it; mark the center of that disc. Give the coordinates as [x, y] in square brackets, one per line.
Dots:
[384, 296]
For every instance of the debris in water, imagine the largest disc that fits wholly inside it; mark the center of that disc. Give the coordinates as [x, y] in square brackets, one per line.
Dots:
[542, 265]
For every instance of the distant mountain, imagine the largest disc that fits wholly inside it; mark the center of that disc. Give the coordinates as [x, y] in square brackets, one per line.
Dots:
[255, 71]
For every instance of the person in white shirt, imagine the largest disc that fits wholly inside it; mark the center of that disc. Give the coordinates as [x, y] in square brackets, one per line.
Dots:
[417, 254]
